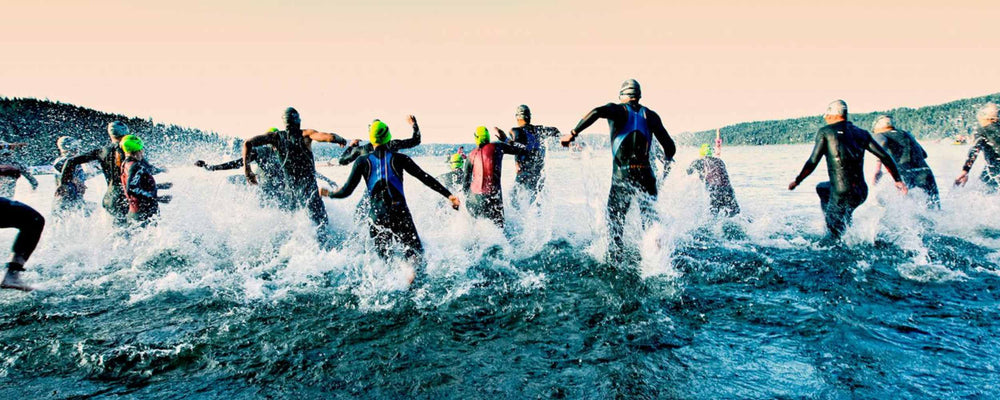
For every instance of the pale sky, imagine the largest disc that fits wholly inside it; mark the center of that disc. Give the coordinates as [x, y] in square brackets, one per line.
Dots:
[233, 66]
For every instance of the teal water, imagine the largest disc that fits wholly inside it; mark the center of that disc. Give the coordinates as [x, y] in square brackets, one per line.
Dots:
[224, 300]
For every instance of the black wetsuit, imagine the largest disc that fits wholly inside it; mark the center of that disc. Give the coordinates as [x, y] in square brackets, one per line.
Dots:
[484, 194]
[270, 175]
[9, 175]
[844, 146]
[911, 158]
[988, 142]
[296, 159]
[391, 221]
[69, 196]
[29, 223]
[110, 158]
[354, 152]
[712, 171]
[531, 164]
[632, 130]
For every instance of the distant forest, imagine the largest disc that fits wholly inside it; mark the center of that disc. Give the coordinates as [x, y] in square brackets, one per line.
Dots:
[931, 122]
[40, 122]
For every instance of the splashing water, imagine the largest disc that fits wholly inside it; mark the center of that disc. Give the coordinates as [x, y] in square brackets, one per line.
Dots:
[226, 299]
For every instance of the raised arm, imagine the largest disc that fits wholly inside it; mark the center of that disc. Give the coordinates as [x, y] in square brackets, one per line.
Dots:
[413, 169]
[71, 164]
[410, 143]
[248, 153]
[360, 168]
[324, 137]
[813, 161]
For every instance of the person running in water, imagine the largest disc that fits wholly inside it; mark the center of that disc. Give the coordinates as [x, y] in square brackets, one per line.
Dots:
[633, 127]
[529, 175]
[11, 170]
[481, 181]
[110, 158]
[268, 170]
[391, 221]
[712, 171]
[294, 151]
[910, 157]
[29, 223]
[356, 150]
[987, 141]
[69, 197]
[141, 189]
[844, 146]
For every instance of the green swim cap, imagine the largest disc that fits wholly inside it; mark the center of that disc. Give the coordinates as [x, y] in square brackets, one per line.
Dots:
[131, 144]
[482, 136]
[457, 161]
[378, 133]
[706, 150]
[272, 130]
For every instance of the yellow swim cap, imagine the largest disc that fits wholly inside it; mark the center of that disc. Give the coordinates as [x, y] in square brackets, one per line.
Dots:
[482, 136]
[378, 133]
[706, 150]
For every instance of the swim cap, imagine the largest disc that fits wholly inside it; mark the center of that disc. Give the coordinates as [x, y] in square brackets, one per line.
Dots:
[705, 151]
[988, 111]
[131, 144]
[837, 108]
[630, 88]
[523, 112]
[457, 161]
[378, 132]
[273, 130]
[291, 117]
[67, 144]
[117, 129]
[882, 122]
[482, 136]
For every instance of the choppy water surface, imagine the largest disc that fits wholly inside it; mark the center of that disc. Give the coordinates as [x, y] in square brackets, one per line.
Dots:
[224, 299]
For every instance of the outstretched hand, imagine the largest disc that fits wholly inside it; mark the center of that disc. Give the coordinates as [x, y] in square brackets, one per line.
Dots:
[568, 138]
[411, 119]
[251, 178]
[962, 179]
[793, 185]
[902, 187]
[200, 164]
[324, 192]
[454, 202]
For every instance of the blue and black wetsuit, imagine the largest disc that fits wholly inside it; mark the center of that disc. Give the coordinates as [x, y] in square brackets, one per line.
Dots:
[484, 195]
[911, 158]
[28, 222]
[391, 221]
[530, 165]
[844, 146]
[632, 130]
[987, 142]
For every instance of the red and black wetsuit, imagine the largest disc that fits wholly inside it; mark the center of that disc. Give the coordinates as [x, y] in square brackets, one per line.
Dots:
[140, 191]
[482, 180]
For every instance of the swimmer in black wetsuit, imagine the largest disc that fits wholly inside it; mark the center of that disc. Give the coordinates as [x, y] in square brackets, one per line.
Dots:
[712, 171]
[69, 197]
[110, 158]
[29, 223]
[391, 222]
[844, 146]
[294, 151]
[268, 171]
[141, 189]
[530, 165]
[355, 150]
[484, 197]
[988, 142]
[11, 170]
[910, 158]
[633, 127]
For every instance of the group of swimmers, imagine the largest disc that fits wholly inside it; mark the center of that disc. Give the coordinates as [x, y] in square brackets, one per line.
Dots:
[281, 163]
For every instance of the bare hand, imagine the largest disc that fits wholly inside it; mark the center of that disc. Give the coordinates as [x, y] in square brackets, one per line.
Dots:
[411, 119]
[962, 179]
[324, 192]
[793, 185]
[501, 135]
[568, 138]
[251, 178]
[902, 187]
[454, 202]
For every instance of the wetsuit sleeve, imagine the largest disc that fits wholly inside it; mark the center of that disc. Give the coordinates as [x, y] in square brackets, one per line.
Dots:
[349, 155]
[973, 153]
[695, 166]
[814, 159]
[512, 148]
[887, 160]
[547, 131]
[228, 165]
[594, 115]
[31, 179]
[467, 176]
[410, 143]
[669, 148]
[352, 180]
[413, 169]
[72, 163]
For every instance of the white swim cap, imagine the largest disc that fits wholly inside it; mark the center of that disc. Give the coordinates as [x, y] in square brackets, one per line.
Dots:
[988, 111]
[837, 108]
[882, 122]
